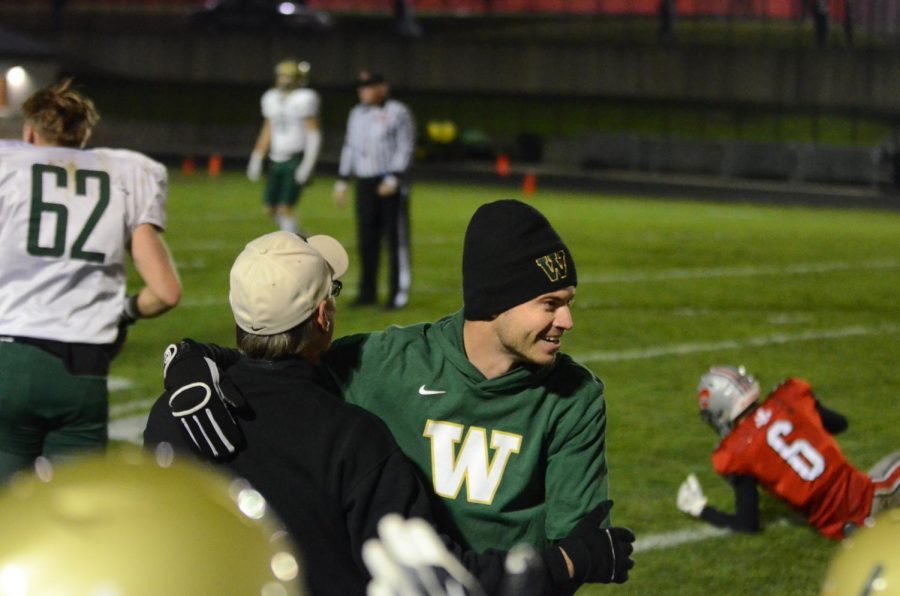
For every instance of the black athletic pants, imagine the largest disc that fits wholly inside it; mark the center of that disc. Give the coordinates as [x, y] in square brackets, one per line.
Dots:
[383, 218]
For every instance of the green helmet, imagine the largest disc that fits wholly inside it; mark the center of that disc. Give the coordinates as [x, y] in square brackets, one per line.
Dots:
[123, 525]
[868, 561]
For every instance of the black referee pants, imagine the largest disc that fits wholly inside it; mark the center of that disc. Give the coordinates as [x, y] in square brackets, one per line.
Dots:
[383, 219]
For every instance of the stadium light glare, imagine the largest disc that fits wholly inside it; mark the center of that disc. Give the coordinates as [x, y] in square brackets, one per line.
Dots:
[16, 77]
[287, 8]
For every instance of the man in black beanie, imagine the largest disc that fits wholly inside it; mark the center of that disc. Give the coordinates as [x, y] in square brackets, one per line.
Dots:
[493, 374]
[509, 431]
[518, 280]
[511, 254]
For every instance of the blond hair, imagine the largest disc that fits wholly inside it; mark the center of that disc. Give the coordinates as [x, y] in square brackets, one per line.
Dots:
[61, 115]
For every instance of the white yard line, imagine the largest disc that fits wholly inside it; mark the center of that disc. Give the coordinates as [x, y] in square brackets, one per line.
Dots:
[665, 540]
[677, 537]
[118, 384]
[734, 344]
[122, 426]
[191, 264]
[130, 428]
[124, 409]
[744, 271]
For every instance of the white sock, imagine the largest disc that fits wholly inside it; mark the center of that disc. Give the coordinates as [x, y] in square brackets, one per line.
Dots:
[287, 223]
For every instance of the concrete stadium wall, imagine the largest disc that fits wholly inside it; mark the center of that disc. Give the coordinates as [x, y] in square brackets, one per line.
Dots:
[832, 79]
[785, 162]
[454, 59]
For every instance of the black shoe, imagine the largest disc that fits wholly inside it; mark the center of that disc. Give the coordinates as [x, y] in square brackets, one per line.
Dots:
[360, 302]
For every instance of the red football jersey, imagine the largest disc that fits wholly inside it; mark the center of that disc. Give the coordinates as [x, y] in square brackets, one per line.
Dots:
[785, 447]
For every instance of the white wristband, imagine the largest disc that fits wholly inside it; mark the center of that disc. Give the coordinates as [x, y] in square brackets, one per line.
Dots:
[254, 166]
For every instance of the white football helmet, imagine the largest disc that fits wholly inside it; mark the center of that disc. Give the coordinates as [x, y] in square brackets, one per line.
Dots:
[724, 393]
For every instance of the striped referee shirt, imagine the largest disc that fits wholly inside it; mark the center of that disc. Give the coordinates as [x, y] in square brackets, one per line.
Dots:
[379, 140]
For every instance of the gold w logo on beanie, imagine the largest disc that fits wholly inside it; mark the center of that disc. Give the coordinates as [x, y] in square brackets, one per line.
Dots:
[554, 265]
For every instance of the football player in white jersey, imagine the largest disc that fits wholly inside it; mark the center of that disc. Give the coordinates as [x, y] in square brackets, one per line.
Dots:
[291, 136]
[67, 217]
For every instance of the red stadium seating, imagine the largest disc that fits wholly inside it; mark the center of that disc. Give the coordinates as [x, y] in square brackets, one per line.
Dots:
[771, 9]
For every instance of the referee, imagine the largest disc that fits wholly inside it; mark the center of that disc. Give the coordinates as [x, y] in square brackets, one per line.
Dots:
[377, 150]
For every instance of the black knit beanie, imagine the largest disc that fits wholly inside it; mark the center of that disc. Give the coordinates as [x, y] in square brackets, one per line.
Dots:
[511, 255]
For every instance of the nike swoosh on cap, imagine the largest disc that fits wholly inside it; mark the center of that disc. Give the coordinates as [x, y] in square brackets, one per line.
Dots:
[424, 391]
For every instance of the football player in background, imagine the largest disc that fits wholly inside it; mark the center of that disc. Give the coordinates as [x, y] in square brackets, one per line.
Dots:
[290, 135]
[68, 216]
[785, 444]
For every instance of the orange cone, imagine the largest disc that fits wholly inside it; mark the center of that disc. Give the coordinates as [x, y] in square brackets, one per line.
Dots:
[214, 167]
[529, 184]
[502, 164]
[187, 166]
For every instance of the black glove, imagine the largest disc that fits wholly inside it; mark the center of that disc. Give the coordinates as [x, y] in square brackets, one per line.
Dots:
[525, 575]
[201, 401]
[127, 318]
[599, 555]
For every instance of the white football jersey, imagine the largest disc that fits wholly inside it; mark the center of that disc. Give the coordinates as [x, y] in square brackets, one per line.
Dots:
[287, 110]
[66, 216]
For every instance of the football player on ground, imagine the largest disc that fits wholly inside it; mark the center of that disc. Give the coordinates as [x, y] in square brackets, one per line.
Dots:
[290, 135]
[68, 216]
[785, 444]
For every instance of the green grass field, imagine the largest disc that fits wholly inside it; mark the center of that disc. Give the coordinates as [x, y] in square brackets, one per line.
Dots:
[666, 289]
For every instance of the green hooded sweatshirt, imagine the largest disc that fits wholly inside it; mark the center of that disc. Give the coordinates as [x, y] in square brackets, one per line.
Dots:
[518, 458]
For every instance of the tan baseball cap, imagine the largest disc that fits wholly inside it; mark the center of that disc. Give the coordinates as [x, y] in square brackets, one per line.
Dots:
[279, 279]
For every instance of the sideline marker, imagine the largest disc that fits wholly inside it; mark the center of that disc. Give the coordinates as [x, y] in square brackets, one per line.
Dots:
[214, 167]
[529, 184]
[502, 164]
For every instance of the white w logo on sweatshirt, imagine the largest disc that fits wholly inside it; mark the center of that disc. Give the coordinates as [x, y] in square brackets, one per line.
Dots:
[471, 463]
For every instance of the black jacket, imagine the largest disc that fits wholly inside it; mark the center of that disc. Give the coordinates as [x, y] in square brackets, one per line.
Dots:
[330, 470]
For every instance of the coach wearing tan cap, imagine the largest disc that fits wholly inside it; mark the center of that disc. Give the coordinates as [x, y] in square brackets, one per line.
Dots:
[330, 470]
[509, 431]
[282, 294]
